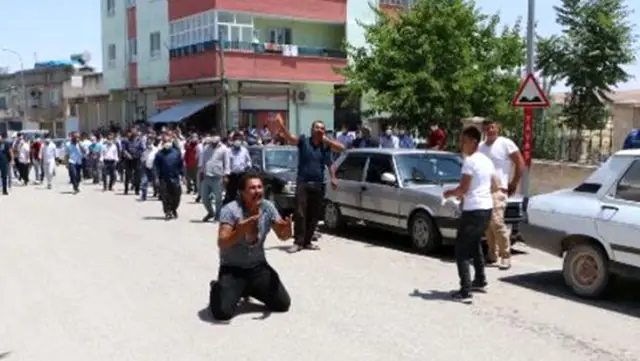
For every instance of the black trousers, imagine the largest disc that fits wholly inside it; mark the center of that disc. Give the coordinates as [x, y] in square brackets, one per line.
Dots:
[132, 175]
[4, 176]
[309, 199]
[261, 282]
[23, 171]
[109, 174]
[468, 246]
[232, 188]
[170, 194]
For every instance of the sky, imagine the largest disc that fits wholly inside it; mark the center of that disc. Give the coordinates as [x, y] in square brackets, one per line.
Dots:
[53, 30]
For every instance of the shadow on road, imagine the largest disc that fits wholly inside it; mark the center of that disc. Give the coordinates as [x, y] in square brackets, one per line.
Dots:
[282, 247]
[433, 295]
[243, 308]
[4, 355]
[623, 297]
[154, 218]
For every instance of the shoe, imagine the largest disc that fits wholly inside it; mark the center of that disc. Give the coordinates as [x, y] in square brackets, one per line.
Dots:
[207, 218]
[479, 286]
[312, 247]
[175, 214]
[462, 296]
[168, 217]
[505, 264]
[197, 199]
[294, 249]
[490, 262]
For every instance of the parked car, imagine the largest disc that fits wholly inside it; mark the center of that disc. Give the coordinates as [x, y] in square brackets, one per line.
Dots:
[278, 166]
[595, 226]
[401, 190]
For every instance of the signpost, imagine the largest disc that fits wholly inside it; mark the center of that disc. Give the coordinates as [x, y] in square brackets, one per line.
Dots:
[528, 97]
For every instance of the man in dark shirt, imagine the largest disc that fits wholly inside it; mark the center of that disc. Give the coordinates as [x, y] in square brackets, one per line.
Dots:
[132, 149]
[169, 169]
[364, 139]
[6, 156]
[314, 154]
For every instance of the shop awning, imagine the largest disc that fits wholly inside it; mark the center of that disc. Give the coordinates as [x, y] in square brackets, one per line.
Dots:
[180, 111]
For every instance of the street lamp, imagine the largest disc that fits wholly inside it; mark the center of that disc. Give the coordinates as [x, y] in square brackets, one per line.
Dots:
[23, 85]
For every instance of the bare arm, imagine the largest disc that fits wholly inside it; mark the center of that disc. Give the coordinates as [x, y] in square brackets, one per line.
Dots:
[518, 162]
[282, 129]
[333, 144]
[283, 229]
[465, 183]
[228, 235]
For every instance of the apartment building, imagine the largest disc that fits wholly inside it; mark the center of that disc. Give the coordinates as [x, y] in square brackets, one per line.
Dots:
[243, 60]
[40, 106]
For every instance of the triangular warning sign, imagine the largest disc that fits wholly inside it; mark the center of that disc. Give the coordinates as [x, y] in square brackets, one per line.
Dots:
[530, 94]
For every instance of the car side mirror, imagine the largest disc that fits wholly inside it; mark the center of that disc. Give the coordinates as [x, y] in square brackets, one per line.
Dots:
[388, 178]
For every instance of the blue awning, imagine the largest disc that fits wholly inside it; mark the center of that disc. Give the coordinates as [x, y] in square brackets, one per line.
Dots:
[182, 110]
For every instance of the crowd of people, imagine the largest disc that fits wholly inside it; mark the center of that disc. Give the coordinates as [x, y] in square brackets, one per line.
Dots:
[218, 172]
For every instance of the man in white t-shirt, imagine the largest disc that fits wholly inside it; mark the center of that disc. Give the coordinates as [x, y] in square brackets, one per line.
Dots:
[507, 160]
[476, 185]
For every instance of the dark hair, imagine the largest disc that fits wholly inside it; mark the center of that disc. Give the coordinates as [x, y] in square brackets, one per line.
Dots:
[488, 122]
[472, 132]
[313, 124]
[248, 175]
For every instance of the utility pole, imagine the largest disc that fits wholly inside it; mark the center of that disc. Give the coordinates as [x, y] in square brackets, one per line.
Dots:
[224, 104]
[526, 178]
[23, 85]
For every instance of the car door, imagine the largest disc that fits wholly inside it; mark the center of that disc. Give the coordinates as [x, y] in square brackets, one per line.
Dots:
[618, 221]
[348, 195]
[380, 201]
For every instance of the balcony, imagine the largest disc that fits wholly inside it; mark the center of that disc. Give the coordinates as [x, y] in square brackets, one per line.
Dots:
[256, 50]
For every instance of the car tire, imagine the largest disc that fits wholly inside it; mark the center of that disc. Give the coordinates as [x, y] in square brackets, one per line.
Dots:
[584, 252]
[332, 217]
[423, 232]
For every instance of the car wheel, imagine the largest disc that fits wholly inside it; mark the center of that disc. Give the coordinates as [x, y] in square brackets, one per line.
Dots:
[423, 233]
[585, 270]
[332, 217]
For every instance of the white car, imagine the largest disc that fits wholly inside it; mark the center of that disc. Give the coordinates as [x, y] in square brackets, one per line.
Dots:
[594, 226]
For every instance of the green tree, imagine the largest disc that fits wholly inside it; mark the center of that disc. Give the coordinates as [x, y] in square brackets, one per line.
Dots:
[596, 42]
[438, 62]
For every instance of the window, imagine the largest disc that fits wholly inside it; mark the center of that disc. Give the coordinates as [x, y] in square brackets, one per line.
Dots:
[192, 30]
[280, 36]
[424, 168]
[256, 157]
[111, 55]
[378, 165]
[3, 103]
[281, 158]
[111, 7]
[154, 45]
[133, 50]
[593, 183]
[54, 97]
[131, 3]
[352, 168]
[225, 17]
[629, 186]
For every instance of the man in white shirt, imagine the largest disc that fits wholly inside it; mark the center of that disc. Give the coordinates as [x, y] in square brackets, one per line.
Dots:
[509, 164]
[389, 140]
[48, 158]
[24, 161]
[147, 159]
[110, 158]
[476, 185]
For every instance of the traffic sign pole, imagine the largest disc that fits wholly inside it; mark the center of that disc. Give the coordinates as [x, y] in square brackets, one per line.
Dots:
[527, 136]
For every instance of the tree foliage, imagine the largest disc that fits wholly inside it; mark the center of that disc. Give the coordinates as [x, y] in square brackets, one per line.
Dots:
[596, 42]
[441, 61]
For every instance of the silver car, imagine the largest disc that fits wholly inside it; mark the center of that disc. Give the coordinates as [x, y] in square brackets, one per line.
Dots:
[401, 190]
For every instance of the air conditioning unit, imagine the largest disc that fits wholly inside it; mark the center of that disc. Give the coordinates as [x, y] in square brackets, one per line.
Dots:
[301, 96]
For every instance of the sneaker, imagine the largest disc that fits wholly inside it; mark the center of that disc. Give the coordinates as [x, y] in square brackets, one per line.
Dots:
[294, 249]
[505, 264]
[168, 217]
[490, 262]
[207, 218]
[477, 286]
[462, 296]
[312, 247]
[175, 214]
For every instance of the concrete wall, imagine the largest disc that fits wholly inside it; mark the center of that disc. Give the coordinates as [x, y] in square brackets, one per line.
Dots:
[114, 31]
[547, 176]
[152, 16]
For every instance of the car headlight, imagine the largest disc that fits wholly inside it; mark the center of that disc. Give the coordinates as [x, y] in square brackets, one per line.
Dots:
[290, 187]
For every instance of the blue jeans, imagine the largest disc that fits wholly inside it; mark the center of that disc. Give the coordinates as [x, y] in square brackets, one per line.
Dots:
[74, 175]
[147, 177]
[211, 187]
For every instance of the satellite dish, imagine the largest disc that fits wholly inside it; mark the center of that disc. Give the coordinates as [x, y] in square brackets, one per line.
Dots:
[86, 56]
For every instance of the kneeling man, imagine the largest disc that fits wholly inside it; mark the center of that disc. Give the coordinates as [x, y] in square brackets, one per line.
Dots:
[244, 271]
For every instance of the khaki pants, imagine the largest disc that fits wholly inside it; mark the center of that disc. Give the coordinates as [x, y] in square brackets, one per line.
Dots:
[497, 233]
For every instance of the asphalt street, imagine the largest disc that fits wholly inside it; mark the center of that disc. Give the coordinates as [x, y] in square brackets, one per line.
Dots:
[99, 276]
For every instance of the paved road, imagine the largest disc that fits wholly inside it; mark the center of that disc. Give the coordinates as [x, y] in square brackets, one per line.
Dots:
[98, 276]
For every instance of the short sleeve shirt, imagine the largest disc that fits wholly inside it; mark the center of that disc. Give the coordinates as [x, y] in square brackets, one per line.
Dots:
[245, 254]
[500, 154]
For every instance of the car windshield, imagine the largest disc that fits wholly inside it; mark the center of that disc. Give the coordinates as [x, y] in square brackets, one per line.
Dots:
[429, 168]
[281, 158]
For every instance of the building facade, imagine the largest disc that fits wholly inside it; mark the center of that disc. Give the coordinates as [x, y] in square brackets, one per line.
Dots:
[40, 105]
[252, 59]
